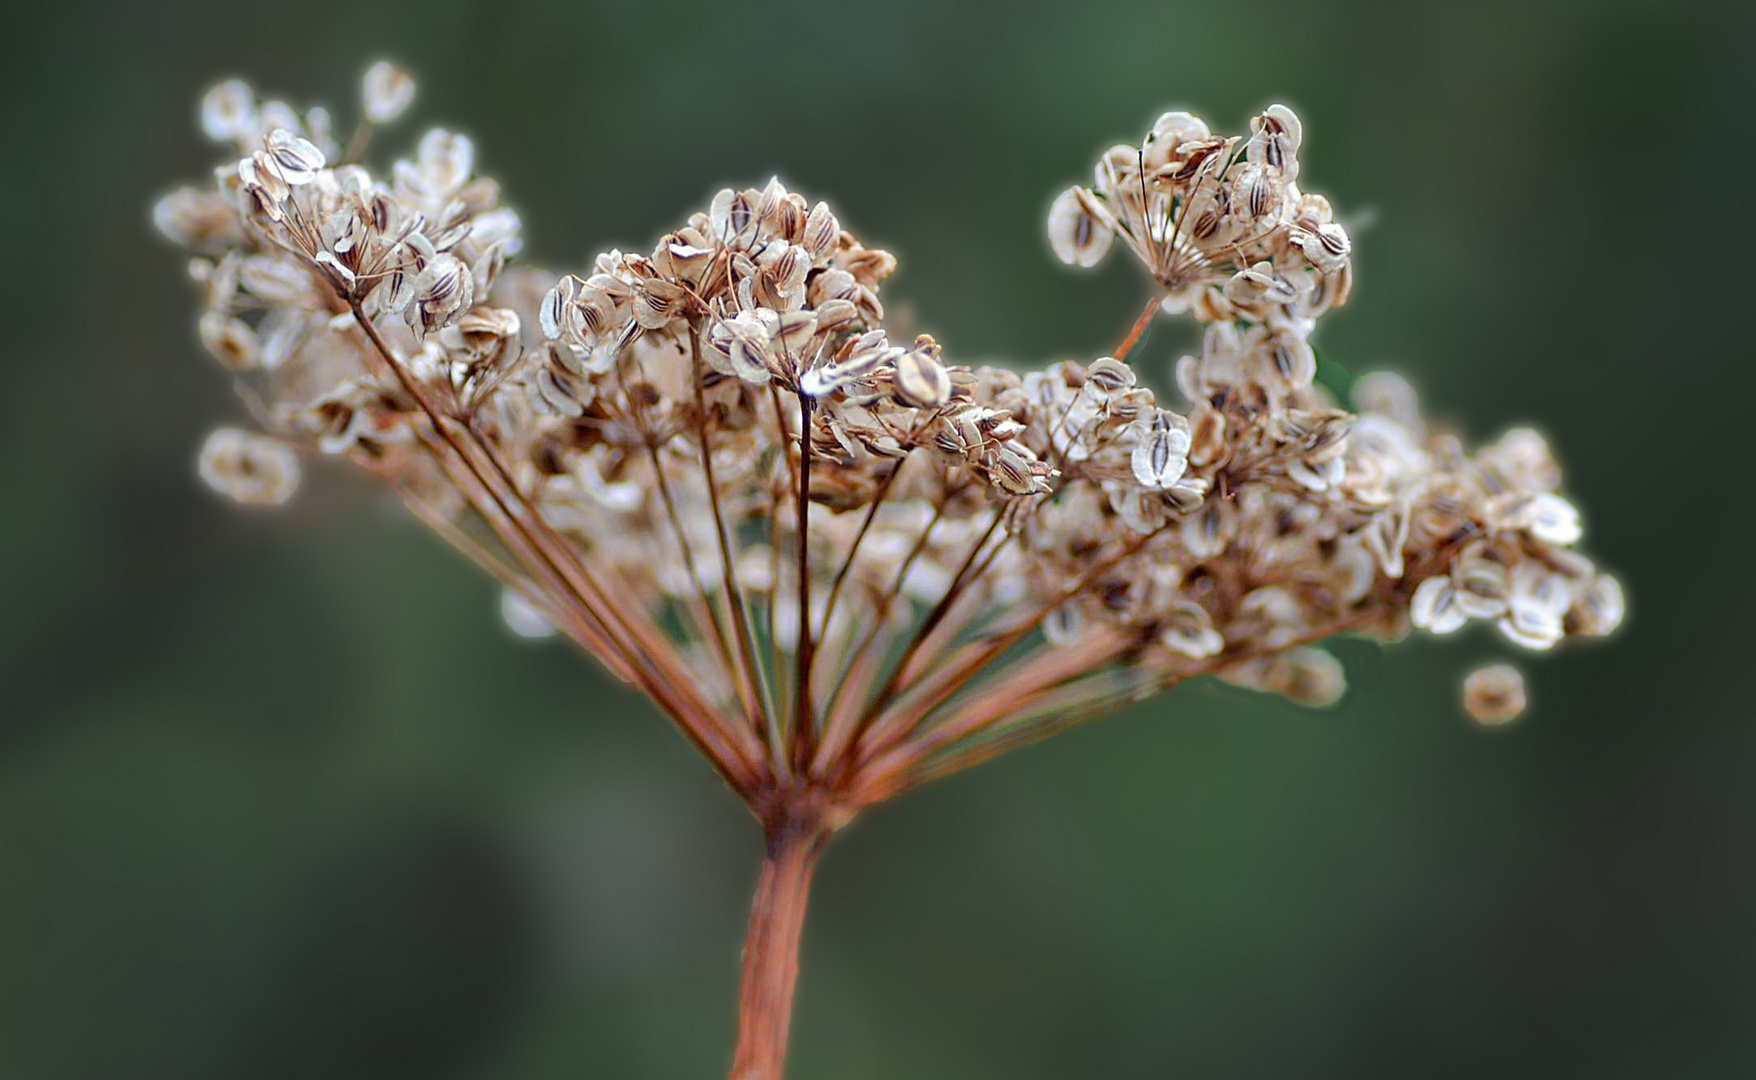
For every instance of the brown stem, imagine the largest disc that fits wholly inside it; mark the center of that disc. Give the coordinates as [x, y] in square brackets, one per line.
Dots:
[771, 951]
[1137, 329]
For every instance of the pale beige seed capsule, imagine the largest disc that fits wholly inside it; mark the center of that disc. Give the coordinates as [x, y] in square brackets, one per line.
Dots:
[1080, 230]
[298, 159]
[1012, 471]
[248, 467]
[821, 231]
[231, 341]
[388, 92]
[1162, 453]
[1306, 676]
[1494, 695]
[554, 306]
[1109, 375]
[1169, 132]
[1327, 247]
[1601, 609]
[228, 112]
[523, 617]
[921, 381]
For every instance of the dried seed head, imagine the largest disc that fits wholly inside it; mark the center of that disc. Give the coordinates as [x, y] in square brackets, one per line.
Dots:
[661, 426]
[248, 467]
[388, 91]
[1494, 695]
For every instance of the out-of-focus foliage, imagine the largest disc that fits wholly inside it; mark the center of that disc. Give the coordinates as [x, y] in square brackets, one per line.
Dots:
[278, 796]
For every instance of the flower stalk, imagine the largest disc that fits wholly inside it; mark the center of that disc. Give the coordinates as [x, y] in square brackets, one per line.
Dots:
[771, 948]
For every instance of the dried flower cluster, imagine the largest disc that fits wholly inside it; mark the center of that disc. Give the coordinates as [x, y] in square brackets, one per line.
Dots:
[845, 564]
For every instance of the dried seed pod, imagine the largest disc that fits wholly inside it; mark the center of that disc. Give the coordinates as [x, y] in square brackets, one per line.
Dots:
[1259, 284]
[523, 617]
[297, 159]
[1014, 473]
[202, 221]
[920, 380]
[1536, 606]
[1259, 192]
[1494, 695]
[248, 467]
[1109, 376]
[264, 184]
[228, 112]
[1080, 228]
[1305, 676]
[821, 231]
[554, 306]
[1434, 607]
[1274, 140]
[593, 314]
[444, 160]
[558, 385]
[231, 341]
[733, 219]
[1207, 438]
[1209, 532]
[1171, 131]
[1161, 452]
[442, 292]
[1188, 630]
[387, 92]
[657, 302]
[1327, 247]
[1600, 609]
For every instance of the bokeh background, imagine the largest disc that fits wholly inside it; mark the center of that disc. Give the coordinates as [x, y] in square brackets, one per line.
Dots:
[279, 797]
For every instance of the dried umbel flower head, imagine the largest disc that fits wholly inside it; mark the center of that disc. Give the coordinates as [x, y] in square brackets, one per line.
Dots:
[845, 563]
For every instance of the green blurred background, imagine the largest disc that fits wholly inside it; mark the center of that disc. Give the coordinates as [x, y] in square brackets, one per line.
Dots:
[280, 798]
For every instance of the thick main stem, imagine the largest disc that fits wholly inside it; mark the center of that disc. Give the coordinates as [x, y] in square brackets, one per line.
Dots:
[771, 950]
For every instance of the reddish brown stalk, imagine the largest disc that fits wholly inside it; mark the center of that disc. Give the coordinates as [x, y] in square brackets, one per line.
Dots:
[917, 761]
[804, 714]
[734, 596]
[861, 665]
[920, 699]
[701, 609]
[847, 563]
[1139, 328]
[771, 950]
[691, 714]
[991, 705]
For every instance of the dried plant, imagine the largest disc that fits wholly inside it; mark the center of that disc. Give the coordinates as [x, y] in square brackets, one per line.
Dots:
[845, 565]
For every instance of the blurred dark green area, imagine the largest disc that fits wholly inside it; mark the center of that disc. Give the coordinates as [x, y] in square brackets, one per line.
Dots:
[279, 798]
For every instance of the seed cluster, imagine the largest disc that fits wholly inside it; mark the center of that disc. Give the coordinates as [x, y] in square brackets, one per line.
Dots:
[845, 562]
